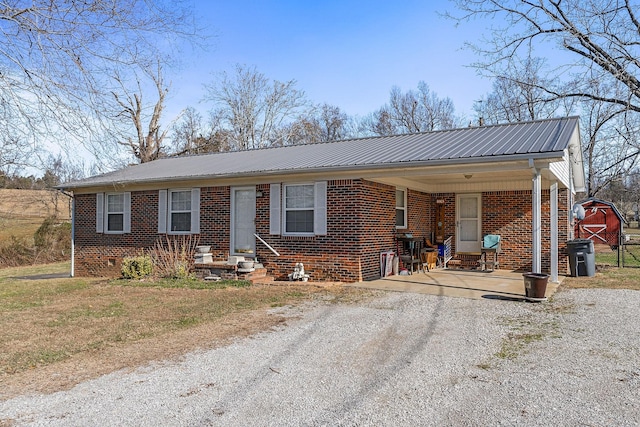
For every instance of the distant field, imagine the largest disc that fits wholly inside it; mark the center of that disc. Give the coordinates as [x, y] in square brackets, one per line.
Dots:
[22, 211]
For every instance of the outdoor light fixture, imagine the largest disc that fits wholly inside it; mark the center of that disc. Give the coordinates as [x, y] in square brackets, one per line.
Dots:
[468, 175]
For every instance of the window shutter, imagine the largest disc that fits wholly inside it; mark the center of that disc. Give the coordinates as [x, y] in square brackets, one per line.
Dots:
[320, 212]
[127, 212]
[274, 209]
[100, 213]
[195, 210]
[162, 211]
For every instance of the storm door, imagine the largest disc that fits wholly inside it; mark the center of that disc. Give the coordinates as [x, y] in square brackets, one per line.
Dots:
[468, 223]
[243, 217]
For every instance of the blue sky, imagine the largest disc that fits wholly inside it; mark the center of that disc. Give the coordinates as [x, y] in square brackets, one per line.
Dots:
[346, 53]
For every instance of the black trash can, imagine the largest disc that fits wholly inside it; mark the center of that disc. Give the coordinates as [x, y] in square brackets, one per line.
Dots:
[582, 257]
[535, 286]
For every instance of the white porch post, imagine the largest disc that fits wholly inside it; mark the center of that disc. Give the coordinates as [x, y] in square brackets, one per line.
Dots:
[72, 273]
[536, 224]
[554, 232]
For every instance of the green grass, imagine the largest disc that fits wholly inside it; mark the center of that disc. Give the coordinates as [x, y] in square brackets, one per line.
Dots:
[631, 256]
[515, 343]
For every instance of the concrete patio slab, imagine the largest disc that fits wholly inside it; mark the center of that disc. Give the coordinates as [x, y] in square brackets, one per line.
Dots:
[499, 284]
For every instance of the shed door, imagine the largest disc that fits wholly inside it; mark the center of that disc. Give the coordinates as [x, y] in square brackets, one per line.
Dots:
[468, 224]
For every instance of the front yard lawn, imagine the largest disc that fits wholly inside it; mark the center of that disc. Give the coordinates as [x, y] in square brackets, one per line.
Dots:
[56, 332]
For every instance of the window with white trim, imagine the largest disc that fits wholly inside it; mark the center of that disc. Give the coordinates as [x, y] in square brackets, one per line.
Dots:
[401, 208]
[299, 208]
[113, 213]
[180, 211]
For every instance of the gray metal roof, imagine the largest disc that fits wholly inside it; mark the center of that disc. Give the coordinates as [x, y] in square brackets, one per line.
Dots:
[537, 139]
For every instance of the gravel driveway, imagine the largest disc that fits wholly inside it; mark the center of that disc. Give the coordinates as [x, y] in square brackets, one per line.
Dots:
[398, 360]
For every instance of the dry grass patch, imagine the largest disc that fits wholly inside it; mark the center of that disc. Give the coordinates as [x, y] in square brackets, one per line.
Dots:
[57, 332]
[34, 204]
[608, 277]
[20, 228]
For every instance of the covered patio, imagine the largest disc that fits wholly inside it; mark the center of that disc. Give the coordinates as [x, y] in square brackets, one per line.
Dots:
[499, 284]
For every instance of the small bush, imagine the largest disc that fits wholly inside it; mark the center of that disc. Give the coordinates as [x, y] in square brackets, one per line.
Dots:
[173, 257]
[50, 243]
[52, 240]
[16, 252]
[137, 267]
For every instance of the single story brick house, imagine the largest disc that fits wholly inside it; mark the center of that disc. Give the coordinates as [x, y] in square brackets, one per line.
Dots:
[336, 206]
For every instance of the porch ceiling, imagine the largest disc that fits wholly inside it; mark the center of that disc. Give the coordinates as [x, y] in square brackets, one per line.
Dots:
[467, 178]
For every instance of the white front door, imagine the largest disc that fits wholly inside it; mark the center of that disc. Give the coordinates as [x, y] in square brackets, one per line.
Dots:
[468, 224]
[243, 225]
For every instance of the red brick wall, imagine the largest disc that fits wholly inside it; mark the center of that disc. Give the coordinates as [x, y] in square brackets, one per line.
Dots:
[215, 220]
[101, 254]
[509, 214]
[360, 224]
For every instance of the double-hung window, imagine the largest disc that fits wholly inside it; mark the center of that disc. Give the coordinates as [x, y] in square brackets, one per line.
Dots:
[179, 211]
[298, 209]
[113, 213]
[401, 208]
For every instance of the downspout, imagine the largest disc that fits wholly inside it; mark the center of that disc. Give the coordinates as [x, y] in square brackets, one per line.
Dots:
[536, 224]
[73, 237]
[73, 231]
[554, 232]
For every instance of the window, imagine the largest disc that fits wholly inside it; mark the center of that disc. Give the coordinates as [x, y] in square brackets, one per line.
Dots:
[401, 208]
[113, 213]
[179, 211]
[298, 208]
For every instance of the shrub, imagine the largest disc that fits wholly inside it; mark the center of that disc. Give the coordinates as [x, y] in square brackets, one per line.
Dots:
[174, 256]
[52, 240]
[137, 267]
[16, 252]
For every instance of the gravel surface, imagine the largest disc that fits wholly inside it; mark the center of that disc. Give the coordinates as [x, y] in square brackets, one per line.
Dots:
[399, 360]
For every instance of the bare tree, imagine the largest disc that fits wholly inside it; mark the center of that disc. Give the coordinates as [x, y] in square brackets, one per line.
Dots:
[187, 131]
[413, 111]
[16, 147]
[141, 132]
[517, 95]
[600, 41]
[191, 135]
[321, 124]
[57, 59]
[601, 36]
[253, 112]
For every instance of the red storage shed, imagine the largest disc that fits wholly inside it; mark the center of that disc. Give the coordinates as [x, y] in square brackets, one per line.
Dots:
[602, 222]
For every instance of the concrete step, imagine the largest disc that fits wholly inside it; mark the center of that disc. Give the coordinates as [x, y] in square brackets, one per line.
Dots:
[262, 280]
